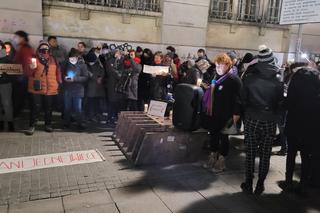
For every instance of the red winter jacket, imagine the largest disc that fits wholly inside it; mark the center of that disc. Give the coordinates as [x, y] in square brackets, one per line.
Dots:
[23, 56]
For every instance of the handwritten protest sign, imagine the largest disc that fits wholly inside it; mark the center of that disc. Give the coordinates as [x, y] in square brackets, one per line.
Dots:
[155, 70]
[50, 160]
[157, 108]
[11, 69]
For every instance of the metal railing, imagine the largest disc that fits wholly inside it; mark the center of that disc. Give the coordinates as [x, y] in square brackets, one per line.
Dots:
[221, 9]
[255, 11]
[145, 5]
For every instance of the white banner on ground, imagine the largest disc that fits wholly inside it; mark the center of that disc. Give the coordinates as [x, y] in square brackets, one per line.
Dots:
[300, 11]
[157, 108]
[20, 164]
[155, 70]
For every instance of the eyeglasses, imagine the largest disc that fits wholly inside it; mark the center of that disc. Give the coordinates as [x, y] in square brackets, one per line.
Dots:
[43, 50]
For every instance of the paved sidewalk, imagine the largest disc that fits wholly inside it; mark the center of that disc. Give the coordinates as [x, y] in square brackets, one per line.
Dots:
[115, 185]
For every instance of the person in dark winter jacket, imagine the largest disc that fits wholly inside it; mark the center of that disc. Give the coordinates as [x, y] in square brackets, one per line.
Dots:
[95, 89]
[132, 68]
[159, 83]
[262, 95]
[223, 110]
[302, 126]
[75, 74]
[57, 51]
[144, 81]
[6, 111]
[114, 68]
[202, 55]
[193, 74]
[60, 55]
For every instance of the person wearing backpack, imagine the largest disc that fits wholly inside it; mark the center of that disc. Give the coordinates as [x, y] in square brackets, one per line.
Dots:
[262, 94]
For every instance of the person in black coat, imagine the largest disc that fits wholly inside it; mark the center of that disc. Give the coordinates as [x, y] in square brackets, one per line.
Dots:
[223, 110]
[144, 80]
[262, 95]
[302, 125]
[6, 111]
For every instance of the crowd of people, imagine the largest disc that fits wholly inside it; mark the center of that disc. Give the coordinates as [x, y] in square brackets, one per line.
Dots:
[82, 84]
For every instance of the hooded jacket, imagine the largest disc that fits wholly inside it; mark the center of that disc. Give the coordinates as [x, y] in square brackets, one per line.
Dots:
[262, 92]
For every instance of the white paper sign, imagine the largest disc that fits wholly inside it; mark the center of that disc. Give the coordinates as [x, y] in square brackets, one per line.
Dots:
[157, 108]
[20, 164]
[155, 70]
[300, 11]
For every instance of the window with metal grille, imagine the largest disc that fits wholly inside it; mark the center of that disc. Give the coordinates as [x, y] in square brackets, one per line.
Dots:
[248, 10]
[146, 5]
[273, 12]
[221, 9]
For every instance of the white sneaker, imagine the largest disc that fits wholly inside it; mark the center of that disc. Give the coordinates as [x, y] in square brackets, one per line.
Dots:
[212, 160]
[220, 165]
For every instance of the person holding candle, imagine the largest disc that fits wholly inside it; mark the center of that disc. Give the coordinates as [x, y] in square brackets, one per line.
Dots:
[43, 84]
[75, 74]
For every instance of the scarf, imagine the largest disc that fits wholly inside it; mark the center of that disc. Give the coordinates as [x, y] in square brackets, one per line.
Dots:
[44, 61]
[210, 91]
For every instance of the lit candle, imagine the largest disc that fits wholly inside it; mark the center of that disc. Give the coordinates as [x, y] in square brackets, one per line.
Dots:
[199, 81]
[146, 108]
[34, 62]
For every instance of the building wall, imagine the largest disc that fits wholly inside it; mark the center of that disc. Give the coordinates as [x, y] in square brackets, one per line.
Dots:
[101, 25]
[185, 22]
[21, 15]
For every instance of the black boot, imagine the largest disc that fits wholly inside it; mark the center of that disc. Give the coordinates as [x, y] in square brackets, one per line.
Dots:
[259, 187]
[11, 126]
[1, 125]
[247, 187]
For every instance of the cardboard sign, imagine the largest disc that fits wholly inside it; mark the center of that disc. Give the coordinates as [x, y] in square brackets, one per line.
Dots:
[47, 161]
[157, 108]
[11, 69]
[155, 70]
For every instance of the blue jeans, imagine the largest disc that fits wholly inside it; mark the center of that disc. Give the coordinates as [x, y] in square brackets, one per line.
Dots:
[72, 105]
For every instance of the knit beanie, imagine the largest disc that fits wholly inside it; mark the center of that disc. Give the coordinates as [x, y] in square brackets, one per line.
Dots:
[265, 54]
